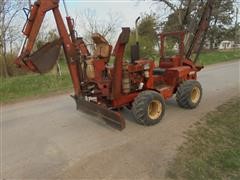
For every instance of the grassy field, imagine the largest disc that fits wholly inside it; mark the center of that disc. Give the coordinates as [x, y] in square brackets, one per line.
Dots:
[20, 87]
[207, 58]
[17, 88]
[212, 149]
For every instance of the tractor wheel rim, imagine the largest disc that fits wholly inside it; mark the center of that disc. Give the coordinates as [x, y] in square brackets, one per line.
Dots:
[195, 95]
[154, 109]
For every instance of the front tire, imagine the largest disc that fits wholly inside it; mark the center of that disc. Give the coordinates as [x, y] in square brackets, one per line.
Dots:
[148, 108]
[189, 94]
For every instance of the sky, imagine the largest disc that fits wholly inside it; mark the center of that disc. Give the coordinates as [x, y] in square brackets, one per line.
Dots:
[127, 10]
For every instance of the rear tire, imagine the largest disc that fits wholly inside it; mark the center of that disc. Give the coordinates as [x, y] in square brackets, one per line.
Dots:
[189, 94]
[148, 108]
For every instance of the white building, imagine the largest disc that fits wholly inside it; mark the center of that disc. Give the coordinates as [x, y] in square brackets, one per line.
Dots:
[226, 45]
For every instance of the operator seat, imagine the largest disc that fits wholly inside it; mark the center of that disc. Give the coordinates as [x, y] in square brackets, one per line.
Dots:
[101, 55]
[103, 48]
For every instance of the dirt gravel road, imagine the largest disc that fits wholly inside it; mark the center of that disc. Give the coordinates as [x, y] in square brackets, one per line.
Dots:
[48, 138]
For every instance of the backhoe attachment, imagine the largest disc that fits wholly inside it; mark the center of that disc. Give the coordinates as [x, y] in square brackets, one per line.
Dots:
[76, 55]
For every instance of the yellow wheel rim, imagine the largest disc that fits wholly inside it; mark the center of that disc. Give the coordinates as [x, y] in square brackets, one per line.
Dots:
[195, 95]
[154, 109]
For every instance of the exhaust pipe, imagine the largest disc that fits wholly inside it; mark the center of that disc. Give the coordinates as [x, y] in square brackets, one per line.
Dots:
[136, 26]
[135, 49]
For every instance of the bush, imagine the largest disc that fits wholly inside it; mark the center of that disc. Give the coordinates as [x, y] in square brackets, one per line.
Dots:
[12, 68]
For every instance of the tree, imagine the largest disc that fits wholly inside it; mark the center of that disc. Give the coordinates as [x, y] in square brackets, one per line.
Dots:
[221, 22]
[8, 11]
[89, 23]
[237, 28]
[185, 14]
[148, 40]
[178, 11]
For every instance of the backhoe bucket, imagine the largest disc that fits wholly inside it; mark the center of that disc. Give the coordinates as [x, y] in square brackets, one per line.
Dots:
[46, 57]
[113, 118]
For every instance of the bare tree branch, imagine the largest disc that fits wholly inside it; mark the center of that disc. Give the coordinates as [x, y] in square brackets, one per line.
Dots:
[169, 4]
[90, 23]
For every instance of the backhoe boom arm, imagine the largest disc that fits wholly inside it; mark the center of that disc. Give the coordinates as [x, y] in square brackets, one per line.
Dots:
[31, 30]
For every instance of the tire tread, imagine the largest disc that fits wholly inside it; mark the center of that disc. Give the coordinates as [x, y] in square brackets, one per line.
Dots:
[183, 94]
[139, 104]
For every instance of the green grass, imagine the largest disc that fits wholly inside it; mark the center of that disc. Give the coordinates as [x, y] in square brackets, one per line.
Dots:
[16, 88]
[213, 57]
[207, 58]
[212, 149]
